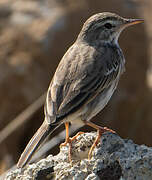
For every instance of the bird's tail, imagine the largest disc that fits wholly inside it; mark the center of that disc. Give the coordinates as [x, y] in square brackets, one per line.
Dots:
[35, 142]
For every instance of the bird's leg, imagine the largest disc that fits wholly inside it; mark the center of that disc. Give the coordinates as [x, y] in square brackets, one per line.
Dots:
[67, 135]
[69, 140]
[100, 131]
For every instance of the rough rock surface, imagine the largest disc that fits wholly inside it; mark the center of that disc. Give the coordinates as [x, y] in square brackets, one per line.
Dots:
[114, 158]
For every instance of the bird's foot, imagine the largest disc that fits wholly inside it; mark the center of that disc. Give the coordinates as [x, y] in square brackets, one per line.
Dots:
[75, 137]
[69, 141]
[105, 129]
[100, 131]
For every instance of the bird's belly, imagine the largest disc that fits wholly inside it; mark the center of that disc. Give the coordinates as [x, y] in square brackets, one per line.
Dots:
[91, 109]
[101, 100]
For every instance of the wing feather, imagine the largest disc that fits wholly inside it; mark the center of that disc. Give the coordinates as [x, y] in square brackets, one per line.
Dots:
[71, 91]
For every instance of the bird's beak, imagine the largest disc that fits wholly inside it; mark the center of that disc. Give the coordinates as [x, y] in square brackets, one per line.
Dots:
[130, 22]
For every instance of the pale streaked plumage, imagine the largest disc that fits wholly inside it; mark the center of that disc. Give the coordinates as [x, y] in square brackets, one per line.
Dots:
[85, 79]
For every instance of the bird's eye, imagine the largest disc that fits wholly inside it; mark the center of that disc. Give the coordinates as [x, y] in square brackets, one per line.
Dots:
[108, 25]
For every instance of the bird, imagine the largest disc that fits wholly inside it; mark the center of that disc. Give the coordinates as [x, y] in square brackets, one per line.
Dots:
[84, 81]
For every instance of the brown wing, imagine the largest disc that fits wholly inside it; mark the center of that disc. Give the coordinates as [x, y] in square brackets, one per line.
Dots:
[79, 80]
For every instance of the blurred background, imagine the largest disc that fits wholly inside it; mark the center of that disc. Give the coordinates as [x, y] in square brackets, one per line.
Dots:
[34, 35]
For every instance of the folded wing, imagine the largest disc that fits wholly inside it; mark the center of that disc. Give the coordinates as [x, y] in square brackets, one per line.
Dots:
[77, 81]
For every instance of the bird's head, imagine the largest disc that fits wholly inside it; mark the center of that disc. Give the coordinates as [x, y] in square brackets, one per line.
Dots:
[105, 27]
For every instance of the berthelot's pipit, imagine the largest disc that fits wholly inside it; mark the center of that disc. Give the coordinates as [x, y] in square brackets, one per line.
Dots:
[84, 81]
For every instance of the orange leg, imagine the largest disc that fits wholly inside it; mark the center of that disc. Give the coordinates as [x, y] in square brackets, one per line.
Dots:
[69, 140]
[100, 131]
